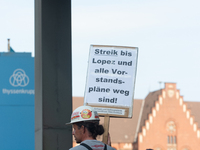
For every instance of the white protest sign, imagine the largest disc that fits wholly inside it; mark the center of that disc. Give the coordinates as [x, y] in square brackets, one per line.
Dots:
[111, 78]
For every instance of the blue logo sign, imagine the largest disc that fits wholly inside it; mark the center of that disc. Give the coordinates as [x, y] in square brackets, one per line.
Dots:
[19, 78]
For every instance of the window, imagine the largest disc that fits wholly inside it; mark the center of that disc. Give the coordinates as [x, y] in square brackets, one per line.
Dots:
[171, 141]
[171, 135]
[171, 127]
[174, 139]
[168, 139]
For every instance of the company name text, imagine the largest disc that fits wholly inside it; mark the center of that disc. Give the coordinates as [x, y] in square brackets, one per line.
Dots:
[18, 91]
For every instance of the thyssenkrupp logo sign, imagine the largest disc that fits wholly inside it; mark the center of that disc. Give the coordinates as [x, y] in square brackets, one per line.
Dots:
[19, 78]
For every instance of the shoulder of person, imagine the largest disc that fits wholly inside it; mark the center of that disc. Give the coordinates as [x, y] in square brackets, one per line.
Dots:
[78, 147]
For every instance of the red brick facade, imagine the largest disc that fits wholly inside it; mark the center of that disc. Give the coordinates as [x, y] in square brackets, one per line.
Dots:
[170, 125]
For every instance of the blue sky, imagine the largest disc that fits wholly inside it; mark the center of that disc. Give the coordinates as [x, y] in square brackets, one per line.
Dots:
[167, 34]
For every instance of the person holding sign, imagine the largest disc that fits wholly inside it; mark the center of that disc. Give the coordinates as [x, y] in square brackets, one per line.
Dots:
[86, 128]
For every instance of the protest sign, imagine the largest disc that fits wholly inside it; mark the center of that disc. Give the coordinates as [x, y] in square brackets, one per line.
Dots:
[111, 79]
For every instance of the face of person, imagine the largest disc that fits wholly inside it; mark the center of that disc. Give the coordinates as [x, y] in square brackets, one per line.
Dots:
[77, 133]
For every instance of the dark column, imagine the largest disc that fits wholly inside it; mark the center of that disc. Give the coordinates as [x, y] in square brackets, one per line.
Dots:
[53, 74]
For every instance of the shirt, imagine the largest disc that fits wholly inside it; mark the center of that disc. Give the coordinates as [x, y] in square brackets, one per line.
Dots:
[94, 144]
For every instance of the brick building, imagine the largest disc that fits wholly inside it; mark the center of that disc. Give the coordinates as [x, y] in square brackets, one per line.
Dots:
[162, 121]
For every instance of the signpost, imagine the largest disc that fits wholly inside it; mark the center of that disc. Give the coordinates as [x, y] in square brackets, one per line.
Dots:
[111, 80]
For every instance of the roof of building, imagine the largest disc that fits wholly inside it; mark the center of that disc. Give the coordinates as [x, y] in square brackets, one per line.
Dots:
[149, 103]
[194, 107]
[13, 54]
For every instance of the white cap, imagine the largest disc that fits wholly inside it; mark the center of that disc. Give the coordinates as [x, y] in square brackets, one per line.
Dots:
[83, 113]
